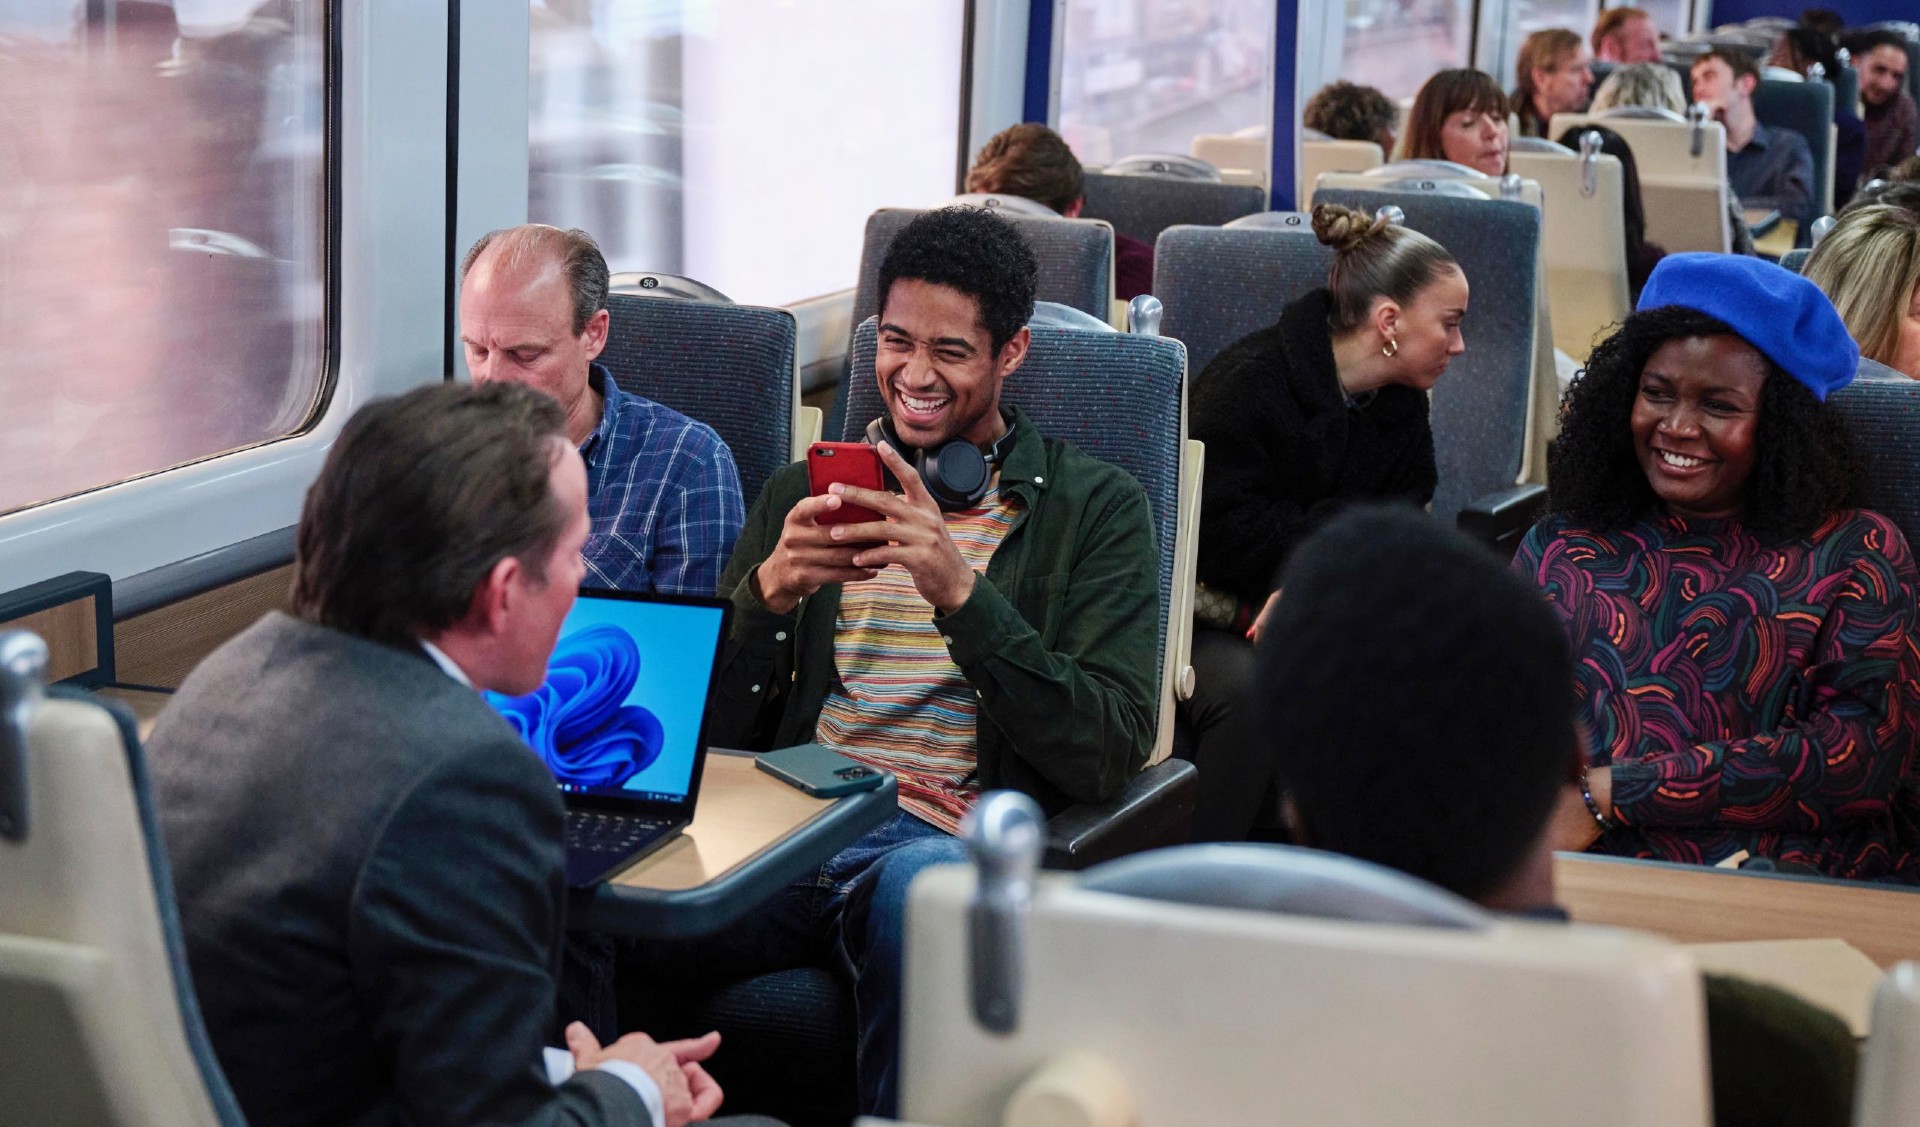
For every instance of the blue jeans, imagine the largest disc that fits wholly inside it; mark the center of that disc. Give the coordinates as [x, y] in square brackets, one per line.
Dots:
[850, 916]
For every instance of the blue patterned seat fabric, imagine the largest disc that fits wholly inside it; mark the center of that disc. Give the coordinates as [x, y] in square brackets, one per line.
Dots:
[1144, 206]
[1480, 405]
[728, 366]
[1114, 396]
[1219, 284]
[1882, 409]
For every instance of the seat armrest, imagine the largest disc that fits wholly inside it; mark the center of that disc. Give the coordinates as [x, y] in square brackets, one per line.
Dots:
[1155, 809]
[1499, 520]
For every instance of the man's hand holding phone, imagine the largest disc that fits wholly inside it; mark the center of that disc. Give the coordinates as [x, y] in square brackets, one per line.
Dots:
[911, 532]
[807, 558]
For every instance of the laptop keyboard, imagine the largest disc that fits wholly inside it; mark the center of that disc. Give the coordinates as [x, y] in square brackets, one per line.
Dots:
[589, 831]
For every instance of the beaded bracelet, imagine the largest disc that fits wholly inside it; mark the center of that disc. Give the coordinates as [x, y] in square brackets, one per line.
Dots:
[1593, 808]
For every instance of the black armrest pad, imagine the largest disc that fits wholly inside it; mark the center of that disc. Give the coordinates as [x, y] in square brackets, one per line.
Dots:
[1500, 519]
[1154, 810]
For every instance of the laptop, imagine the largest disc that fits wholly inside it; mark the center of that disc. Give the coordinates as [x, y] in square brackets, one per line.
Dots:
[620, 721]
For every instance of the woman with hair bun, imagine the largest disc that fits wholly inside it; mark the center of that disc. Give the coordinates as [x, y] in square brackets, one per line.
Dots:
[1323, 408]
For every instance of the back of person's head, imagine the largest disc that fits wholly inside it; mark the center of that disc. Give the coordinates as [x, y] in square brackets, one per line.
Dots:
[1417, 699]
[1826, 21]
[1906, 172]
[1544, 50]
[1807, 46]
[971, 250]
[1374, 257]
[1348, 112]
[420, 497]
[512, 250]
[1641, 84]
[1869, 264]
[1610, 24]
[1449, 92]
[1740, 62]
[1030, 161]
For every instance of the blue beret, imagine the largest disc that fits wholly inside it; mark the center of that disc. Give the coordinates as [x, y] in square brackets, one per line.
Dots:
[1775, 310]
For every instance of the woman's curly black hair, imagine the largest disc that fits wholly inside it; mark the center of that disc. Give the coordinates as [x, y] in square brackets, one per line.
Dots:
[1805, 465]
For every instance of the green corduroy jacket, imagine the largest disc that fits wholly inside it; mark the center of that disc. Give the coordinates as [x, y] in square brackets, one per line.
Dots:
[1060, 638]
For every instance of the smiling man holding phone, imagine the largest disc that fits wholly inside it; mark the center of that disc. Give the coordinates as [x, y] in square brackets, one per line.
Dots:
[994, 625]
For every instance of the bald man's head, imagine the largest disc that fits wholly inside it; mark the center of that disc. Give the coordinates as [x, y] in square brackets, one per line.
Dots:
[533, 311]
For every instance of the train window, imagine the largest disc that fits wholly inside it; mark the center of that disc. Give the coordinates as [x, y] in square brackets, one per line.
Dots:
[162, 236]
[741, 142]
[1396, 45]
[1140, 76]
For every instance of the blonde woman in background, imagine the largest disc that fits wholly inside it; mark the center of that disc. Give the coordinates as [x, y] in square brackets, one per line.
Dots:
[1869, 265]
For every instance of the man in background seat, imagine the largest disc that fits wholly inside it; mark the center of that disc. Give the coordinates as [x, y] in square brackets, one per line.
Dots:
[662, 489]
[368, 860]
[1418, 700]
[1766, 167]
[1625, 35]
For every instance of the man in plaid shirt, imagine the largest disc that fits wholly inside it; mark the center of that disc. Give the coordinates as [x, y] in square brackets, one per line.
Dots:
[663, 493]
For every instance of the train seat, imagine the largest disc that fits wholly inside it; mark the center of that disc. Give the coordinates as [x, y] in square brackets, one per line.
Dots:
[98, 1019]
[1882, 411]
[1807, 109]
[1683, 176]
[1265, 984]
[1583, 239]
[1500, 400]
[1240, 159]
[1888, 1088]
[1141, 205]
[1317, 157]
[1218, 284]
[733, 367]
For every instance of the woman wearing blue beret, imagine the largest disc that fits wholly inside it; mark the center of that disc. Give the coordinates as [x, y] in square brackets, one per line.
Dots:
[1744, 634]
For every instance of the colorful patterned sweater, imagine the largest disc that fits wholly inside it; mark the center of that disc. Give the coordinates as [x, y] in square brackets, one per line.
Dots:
[1746, 697]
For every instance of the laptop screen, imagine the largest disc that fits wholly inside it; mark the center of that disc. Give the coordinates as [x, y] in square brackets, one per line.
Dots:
[626, 692]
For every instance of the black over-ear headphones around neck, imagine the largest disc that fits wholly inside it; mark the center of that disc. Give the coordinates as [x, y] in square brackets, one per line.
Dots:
[956, 472]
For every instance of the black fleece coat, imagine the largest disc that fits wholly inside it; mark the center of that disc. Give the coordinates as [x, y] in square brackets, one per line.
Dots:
[1285, 449]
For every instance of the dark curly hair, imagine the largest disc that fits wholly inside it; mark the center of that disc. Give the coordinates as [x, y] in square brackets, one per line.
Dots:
[1348, 112]
[1805, 465]
[973, 251]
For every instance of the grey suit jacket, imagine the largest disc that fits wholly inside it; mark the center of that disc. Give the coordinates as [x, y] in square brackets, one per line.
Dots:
[369, 866]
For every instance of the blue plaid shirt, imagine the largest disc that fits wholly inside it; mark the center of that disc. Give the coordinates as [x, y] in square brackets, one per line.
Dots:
[662, 494]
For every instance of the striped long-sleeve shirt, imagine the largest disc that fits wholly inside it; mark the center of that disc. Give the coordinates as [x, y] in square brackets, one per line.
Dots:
[662, 495]
[901, 703]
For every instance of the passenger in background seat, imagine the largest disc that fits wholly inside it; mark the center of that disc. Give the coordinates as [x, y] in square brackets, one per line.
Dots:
[1461, 116]
[1625, 35]
[661, 488]
[368, 861]
[1346, 112]
[1744, 634]
[1656, 86]
[1892, 122]
[1010, 641]
[1869, 264]
[1555, 76]
[1768, 167]
[1033, 162]
[1797, 50]
[1323, 408]
[1417, 702]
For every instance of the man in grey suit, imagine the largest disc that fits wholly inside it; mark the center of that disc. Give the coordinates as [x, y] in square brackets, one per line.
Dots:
[368, 862]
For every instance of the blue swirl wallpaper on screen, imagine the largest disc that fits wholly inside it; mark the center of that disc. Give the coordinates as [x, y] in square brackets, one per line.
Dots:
[624, 694]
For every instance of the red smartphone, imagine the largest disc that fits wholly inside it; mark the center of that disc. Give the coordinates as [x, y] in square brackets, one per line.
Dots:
[850, 463]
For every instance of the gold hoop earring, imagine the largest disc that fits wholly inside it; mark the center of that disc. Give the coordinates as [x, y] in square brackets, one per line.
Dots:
[1391, 348]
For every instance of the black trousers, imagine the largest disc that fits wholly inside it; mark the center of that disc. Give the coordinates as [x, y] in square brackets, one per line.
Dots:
[1236, 771]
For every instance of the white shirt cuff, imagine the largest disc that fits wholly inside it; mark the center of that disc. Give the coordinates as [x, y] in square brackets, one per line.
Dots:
[560, 1067]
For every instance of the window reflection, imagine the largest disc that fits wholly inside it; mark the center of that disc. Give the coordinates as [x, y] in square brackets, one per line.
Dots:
[1139, 76]
[161, 234]
[741, 142]
[1396, 45]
